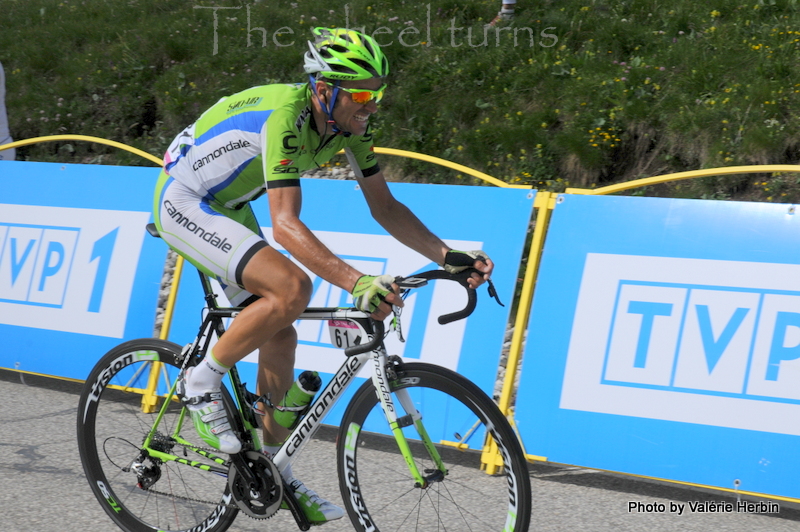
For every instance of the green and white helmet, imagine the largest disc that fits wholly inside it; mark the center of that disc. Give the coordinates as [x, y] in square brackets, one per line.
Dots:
[342, 54]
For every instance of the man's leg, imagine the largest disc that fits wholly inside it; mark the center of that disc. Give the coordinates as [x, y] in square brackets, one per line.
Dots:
[284, 291]
[276, 359]
[275, 376]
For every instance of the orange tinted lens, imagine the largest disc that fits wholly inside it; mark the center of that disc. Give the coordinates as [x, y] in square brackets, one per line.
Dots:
[361, 97]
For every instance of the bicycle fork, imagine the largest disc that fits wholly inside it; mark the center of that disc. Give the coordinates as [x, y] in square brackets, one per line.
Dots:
[389, 369]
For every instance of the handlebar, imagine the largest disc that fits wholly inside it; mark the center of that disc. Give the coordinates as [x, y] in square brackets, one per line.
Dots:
[419, 280]
[461, 278]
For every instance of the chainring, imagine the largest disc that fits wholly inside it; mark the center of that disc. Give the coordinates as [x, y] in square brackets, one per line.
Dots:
[263, 501]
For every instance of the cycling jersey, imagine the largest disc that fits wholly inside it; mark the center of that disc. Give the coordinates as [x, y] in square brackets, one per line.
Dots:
[260, 138]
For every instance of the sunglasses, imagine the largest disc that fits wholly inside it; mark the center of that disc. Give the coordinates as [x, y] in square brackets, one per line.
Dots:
[364, 96]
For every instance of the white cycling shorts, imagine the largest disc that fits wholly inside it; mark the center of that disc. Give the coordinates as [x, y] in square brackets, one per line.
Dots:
[217, 240]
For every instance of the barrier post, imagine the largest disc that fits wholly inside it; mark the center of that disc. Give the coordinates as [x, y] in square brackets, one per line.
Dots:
[543, 204]
[150, 396]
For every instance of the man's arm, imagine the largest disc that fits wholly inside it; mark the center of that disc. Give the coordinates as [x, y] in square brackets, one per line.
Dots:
[402, 224]
[291, 233]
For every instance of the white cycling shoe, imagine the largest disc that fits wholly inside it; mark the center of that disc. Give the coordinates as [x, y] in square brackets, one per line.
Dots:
[209, 416]
[315, 508]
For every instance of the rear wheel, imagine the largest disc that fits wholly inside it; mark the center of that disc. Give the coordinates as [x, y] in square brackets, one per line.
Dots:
[139, 492]
[380, 493]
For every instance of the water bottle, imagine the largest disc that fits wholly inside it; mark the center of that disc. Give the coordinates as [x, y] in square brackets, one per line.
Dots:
[297, 399]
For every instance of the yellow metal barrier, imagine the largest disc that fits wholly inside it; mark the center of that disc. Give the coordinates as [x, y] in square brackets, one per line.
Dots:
[727, 170]
[150, 396]
[96, 140]
[543, 204]
[443, 162]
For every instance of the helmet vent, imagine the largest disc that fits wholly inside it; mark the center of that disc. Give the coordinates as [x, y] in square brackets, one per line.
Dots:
[366, 66]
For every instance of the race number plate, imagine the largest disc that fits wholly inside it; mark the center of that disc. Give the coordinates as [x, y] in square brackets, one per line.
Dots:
[344, 333]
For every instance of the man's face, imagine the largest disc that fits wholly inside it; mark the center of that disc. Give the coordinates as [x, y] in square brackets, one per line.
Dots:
[351, 116]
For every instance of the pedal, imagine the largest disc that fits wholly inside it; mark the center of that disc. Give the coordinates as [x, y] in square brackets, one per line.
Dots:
[294, 506]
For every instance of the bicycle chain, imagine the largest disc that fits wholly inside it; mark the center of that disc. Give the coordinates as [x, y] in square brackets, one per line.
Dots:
[183, 498]
[209, 450]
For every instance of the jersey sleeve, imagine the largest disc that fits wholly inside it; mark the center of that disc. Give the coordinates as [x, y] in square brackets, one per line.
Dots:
[360, 154]
[281, 147]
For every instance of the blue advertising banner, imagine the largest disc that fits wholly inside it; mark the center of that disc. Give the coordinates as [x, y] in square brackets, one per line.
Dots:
[492, 219]
[664, 341]
[77, 275]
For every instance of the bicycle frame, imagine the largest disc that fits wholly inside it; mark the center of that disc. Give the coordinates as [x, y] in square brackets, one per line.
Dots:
[322, 405]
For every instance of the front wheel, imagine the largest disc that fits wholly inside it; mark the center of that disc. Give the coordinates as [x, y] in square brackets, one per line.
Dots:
[141, 492]
[377, 487]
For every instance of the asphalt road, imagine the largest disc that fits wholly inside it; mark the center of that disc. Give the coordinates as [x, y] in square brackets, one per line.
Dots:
[42, 487]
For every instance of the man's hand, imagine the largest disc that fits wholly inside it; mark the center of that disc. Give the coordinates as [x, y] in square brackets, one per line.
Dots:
[458, 261]
[376, 295]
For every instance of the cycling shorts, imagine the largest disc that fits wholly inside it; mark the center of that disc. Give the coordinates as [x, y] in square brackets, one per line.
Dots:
[217, 240]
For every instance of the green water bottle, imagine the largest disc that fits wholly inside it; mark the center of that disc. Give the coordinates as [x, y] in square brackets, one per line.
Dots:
[297, 399]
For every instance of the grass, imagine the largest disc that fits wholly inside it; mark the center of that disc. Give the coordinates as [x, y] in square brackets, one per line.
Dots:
[575, 93]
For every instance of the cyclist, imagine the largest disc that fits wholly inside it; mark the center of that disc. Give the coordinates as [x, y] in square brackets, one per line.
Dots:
[258, 141]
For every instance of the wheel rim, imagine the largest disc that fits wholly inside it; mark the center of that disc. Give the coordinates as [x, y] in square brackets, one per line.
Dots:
[381, 494]
[137, 491]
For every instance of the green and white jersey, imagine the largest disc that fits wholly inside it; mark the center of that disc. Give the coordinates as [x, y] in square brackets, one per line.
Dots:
[260, 138]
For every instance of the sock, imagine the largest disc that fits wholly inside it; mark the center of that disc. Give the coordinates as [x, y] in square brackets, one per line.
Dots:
[270, 451]
[206, 376]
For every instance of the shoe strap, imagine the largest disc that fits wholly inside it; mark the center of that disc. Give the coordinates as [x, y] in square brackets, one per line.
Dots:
[311, 494]
[219, 429]
[214, 415]
[206, 398]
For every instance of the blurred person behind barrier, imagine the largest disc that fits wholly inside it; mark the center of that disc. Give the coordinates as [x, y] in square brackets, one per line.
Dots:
[505, 15]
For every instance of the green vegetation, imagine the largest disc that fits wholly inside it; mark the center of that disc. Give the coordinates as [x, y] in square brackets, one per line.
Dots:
[575, 93]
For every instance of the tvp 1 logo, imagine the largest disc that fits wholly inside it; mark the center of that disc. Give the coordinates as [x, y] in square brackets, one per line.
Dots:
[698, 341]
[68, 269]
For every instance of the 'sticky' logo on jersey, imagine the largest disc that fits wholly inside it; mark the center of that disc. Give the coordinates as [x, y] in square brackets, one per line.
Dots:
[287, 162]
[230, 146]
[248, 102]
[301, 119]
[286, 170]
[367, 136]
[289, 145]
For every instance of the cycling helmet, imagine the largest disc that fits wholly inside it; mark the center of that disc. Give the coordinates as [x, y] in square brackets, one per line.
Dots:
[342, 54]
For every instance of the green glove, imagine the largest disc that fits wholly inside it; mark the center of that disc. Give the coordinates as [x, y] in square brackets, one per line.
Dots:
[458, 261]
[370, 290]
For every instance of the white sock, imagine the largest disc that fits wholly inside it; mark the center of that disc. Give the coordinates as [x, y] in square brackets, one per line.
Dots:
[270, 451]
[206, 376]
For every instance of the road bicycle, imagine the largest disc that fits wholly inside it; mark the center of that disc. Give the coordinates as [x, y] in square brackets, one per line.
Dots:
[407, 452]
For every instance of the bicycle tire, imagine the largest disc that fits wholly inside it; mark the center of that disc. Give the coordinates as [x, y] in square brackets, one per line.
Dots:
[377, 488]
[111, 429]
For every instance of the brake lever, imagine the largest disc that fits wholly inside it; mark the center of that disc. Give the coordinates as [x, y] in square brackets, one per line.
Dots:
[396, 324]
[493, 292]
